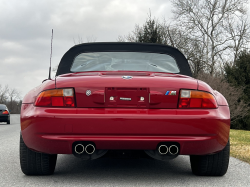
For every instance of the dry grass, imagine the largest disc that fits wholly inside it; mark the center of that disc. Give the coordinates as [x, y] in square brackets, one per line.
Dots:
[240, 144]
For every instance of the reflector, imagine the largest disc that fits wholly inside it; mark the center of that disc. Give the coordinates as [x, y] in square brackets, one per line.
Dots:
[185, 93]
[69, 101]
[68, 92]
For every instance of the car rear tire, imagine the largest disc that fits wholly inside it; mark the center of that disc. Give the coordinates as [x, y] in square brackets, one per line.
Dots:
[8, 122]
[33, 163]
[211, 165]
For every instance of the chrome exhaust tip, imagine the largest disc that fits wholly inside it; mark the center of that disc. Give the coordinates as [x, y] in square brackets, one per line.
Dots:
[90, 149]
[79, 148]
[173, 149]
[163, 149]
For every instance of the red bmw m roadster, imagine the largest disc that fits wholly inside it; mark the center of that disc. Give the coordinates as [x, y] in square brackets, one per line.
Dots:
[124, 96]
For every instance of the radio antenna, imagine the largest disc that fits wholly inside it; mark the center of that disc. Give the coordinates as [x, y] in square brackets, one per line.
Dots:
[50, 55]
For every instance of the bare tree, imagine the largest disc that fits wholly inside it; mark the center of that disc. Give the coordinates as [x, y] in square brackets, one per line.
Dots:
[3, 93]
[133, 36]
[220, 26]
[239, 32]
[80, 40]
[13, 95]
[91, 39]
[11, 98]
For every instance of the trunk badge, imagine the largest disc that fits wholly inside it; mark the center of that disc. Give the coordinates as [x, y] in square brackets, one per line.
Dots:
[127, 77]
[125, 99]
[88, 92]
[170, 93]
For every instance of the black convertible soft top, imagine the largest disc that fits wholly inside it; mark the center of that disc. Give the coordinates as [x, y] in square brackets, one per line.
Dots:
[69, 56]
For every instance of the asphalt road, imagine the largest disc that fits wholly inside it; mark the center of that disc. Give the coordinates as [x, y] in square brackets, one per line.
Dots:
[71, 171]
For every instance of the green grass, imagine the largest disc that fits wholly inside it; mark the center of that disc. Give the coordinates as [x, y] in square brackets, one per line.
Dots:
[240, 144]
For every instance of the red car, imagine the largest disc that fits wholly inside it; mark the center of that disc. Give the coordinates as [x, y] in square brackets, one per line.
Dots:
[124, 96]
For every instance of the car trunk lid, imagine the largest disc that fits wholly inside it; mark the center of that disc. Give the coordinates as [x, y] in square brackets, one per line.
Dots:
[126, 89]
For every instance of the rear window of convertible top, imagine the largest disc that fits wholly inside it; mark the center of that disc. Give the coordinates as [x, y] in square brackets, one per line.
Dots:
[124, 61]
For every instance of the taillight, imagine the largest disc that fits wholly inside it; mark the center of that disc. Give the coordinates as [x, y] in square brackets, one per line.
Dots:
[56, 98]
[196, 99]
[5, 112]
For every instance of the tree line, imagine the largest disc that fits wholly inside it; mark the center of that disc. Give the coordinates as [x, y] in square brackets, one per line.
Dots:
[11, 98]
[214, 36]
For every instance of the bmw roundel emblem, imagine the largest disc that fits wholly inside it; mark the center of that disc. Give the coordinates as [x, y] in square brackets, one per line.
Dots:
[88, 92]
[127, 77]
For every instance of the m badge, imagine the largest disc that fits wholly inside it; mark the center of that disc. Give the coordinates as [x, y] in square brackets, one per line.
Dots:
[170, 93]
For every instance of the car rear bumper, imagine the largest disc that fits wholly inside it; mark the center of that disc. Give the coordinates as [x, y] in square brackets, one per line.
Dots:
[4, 118]
[53, 130]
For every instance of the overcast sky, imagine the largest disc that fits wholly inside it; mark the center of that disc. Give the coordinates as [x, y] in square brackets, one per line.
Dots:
[25, 31]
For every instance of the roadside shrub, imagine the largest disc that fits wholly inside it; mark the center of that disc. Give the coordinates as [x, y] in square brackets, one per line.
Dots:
[238, 75]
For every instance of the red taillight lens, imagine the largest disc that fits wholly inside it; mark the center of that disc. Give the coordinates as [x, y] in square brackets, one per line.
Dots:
[196, 99]
[56, 98]
[5, 112]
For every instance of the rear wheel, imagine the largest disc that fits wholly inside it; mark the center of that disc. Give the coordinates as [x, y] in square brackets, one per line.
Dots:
[33, 163]
[211, 165]
[8, 122]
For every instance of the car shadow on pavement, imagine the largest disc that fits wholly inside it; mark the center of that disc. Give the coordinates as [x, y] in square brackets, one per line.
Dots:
[121, 169]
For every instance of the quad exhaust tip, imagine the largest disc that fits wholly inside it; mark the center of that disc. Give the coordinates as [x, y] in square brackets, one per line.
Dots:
[90, 149]
[163, 149]
[173, 149]
[79, 148]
